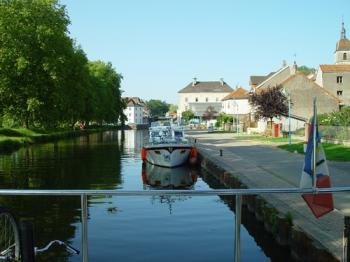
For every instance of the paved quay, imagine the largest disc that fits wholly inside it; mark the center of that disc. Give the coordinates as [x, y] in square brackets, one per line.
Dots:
[262, 165]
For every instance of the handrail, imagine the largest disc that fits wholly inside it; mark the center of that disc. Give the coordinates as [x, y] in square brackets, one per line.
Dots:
[117, 192]
[215, 192]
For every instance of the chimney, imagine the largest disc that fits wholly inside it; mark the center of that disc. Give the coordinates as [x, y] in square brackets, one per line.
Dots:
[194, 82]
[222, 81]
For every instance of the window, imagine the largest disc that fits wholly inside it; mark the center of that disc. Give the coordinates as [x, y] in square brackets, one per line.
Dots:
[186, 99]
[345, 56]
[196, 99]
[206, 99]
[339, 79]
[339, 93]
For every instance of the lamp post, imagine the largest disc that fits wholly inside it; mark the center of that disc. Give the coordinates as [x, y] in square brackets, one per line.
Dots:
[285, 92]
[237, 120]
[289, 121]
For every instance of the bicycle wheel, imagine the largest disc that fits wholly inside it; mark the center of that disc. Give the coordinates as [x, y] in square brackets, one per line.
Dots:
[9, 236]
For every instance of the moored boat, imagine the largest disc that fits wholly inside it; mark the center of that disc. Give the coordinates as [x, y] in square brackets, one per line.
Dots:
[168, 147]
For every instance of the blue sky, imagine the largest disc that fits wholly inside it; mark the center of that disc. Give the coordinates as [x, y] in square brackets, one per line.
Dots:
[159, 46]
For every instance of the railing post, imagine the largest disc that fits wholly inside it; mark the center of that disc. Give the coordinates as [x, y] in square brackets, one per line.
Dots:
[237, 250]
[84, 225]
[346, 246]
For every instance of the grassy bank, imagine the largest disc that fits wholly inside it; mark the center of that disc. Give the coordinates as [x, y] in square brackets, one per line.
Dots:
[11, 139]
[332, 151]
[266, 139]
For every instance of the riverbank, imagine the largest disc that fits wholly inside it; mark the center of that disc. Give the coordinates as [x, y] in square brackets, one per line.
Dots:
[336, 152]
[11, 139]
[254, 164]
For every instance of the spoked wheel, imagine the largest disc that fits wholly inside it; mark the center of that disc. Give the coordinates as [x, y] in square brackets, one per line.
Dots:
[9, 237]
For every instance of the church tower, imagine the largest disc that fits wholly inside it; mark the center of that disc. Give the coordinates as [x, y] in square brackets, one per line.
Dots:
[342, 51]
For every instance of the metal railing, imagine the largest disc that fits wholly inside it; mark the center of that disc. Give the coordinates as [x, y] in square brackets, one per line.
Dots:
[219, 192]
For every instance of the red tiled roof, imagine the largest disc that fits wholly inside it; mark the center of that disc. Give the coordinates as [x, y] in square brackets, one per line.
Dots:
[335, 68]
[238, 93]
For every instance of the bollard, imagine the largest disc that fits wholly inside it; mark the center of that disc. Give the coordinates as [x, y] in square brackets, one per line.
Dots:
[220, 152]
[195, 140]
[346, 247]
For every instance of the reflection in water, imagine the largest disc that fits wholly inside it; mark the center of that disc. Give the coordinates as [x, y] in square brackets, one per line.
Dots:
[158, 177]
[87, 162]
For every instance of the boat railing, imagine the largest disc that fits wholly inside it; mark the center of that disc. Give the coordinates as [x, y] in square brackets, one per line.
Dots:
[238, 193]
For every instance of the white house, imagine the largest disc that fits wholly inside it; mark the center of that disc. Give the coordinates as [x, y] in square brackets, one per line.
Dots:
[134, 111]
[236, 103]
[198, 96]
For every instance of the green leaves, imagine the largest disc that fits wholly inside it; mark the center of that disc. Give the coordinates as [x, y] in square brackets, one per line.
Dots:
[45, 79]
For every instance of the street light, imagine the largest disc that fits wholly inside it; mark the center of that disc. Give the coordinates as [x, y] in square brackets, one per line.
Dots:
[237, 120]
[289, 119]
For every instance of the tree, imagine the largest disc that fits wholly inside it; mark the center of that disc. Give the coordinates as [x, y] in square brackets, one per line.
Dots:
[269, 103]
[157, 107]
[104, 94]
[172, 108]
[209, 113]
[306, 70]
[187, 115]
[35, 52]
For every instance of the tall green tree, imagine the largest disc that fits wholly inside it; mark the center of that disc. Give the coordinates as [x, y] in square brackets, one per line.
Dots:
[35, 52]
[269, 103]
[157, 107]
[187, 115]
[173, 108]
[105, 94]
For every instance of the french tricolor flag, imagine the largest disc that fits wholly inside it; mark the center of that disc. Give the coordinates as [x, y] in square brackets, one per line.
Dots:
[320, 204]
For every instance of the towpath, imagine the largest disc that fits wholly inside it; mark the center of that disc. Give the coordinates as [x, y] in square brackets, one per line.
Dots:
[261, 165]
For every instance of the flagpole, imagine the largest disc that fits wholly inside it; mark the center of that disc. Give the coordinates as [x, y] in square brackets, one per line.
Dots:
[314, 146]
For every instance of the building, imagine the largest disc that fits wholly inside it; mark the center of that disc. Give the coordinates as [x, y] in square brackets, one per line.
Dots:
[274, 78]
[335, 78]
[134, 111]
[198, 96]
[301, 91]
[236, 103]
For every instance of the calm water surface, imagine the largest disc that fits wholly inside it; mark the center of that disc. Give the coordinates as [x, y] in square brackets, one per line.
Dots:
[168, 228]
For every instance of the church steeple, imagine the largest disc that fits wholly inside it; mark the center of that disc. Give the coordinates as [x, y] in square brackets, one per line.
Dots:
[343, 31]
[342, 50]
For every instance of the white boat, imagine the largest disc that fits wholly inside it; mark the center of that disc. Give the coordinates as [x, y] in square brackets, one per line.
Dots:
[168, 147]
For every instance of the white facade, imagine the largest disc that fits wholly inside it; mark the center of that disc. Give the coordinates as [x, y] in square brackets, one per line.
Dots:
[134, 114]
[186, 98]
[236, 107]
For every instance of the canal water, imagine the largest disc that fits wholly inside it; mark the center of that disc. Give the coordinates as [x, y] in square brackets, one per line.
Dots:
[162, 228]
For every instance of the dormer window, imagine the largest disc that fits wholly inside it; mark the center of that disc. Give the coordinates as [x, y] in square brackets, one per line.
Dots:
[339, 93]
[345, 56]
[339, 79]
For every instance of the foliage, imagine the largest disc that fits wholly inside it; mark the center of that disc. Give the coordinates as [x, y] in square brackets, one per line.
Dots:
[104, 96]
[306, 70]
[173, 108]
[223, 118]
[269, 103]
[157, 107]
[45, 79]
[187, 115]
[336, 118]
